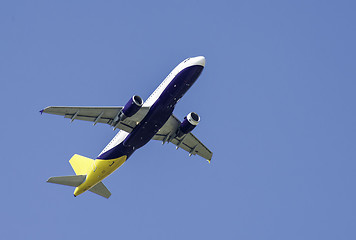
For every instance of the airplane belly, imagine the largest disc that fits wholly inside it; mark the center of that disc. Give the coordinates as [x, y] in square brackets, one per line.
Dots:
[148, 127]
[162, 109]
[157, 116]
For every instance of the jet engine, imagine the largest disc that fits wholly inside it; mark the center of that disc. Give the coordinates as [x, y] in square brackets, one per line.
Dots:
[131, 108]
[188, 124]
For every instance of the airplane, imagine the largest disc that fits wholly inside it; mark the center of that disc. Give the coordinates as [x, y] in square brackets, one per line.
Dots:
[139, 122]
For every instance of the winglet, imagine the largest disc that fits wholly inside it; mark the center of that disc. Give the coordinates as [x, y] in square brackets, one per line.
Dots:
[41, 111]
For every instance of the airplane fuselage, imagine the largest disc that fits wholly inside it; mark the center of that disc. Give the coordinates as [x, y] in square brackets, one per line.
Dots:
[161, 105]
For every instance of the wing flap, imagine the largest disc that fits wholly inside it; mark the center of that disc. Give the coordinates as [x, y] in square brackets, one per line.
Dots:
[93, 112]
[192, 145]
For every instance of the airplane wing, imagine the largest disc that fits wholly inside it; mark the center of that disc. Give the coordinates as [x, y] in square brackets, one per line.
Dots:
[107, 114]
[188, 142]
[98, 115]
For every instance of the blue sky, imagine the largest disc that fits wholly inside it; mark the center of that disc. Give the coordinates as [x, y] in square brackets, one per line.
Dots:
[276, 99]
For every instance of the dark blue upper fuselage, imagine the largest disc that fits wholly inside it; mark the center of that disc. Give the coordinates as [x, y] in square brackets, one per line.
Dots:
[158, 114]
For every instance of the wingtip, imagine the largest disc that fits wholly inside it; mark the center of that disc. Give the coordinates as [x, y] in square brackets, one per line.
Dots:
[41, 111]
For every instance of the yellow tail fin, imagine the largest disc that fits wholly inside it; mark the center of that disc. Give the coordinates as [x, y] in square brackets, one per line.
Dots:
[81, 165]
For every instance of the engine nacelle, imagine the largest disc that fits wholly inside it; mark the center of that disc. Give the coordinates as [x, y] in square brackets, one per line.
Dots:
[131, 107]
[188, 124]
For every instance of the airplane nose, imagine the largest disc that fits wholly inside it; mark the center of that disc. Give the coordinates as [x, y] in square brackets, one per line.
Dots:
[200, 61]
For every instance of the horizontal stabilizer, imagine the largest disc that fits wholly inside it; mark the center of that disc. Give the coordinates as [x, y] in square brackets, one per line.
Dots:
[73, 181]
[101, 190]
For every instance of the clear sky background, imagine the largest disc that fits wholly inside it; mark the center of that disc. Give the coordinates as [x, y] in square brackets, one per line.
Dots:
[276, 99]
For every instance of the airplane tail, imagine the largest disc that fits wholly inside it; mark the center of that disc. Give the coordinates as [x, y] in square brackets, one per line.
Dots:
[81, 166]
